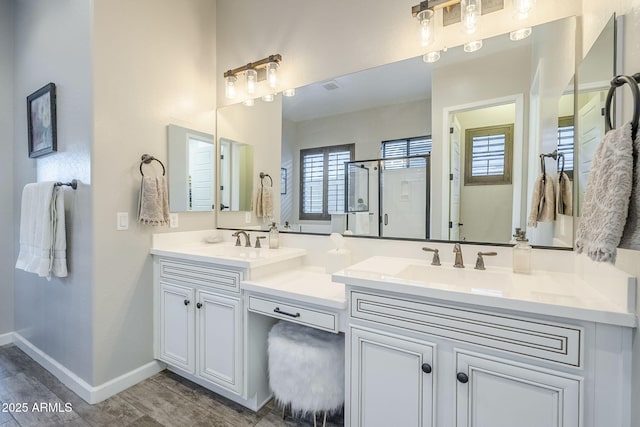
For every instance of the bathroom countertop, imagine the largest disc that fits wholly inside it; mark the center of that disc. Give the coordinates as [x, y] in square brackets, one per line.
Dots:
[541, 292]
[306, 284]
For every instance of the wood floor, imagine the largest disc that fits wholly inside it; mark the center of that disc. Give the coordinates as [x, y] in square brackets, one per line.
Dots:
[165, 399]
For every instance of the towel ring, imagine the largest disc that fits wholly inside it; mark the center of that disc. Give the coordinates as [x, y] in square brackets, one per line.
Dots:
[616, 82]
[146, 159]
[263, 176]
[561, 156]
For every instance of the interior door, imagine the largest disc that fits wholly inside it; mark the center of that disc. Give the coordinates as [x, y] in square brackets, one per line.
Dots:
[590, 133]
[201, 175]
[454, 182]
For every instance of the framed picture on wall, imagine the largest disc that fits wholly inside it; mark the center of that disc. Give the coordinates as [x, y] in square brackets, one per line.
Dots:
[41, 121]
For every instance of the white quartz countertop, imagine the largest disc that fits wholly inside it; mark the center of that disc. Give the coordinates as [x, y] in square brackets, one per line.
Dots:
[308, 284]
[227, 254]
[541, 292]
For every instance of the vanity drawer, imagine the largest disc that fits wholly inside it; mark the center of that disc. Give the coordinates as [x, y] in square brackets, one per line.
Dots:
[199, 274]
[295, 313]
[533, 338]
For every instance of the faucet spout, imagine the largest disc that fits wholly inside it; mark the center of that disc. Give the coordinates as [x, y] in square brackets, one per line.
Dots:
[247, 239]
[458, 263]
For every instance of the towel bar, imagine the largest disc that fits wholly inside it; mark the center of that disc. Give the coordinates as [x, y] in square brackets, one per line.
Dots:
[73, 184]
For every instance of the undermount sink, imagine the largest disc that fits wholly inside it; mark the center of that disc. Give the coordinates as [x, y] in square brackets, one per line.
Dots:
[467, 279]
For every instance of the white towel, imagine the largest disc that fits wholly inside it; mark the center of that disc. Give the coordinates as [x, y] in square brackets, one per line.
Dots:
[631, 234]
[543, 201]
[43, 243]
[263, 205]
[153, 206]
[606, 200]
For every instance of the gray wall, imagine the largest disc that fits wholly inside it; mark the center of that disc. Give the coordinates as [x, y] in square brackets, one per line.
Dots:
[6, 167]
[53, 44]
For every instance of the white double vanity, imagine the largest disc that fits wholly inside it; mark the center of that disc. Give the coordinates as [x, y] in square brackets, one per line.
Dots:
[426, 345]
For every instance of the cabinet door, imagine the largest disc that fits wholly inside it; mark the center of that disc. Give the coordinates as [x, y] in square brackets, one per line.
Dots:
[499, 393]
[391, 382]
[177, 327]
[219, 323]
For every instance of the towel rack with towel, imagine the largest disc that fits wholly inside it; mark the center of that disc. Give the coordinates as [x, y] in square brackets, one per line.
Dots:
[146, 159]
[555, 156]
[73, 184]
[617, 82]
[263, 176]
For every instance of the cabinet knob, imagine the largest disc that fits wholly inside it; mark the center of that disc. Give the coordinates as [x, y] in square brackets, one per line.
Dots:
[426, 368]
[462, 377]
[187, 302]
[199, 305]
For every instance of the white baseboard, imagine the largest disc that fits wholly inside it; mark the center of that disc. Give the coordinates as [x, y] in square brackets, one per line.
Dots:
[6, 338]
[90, 394]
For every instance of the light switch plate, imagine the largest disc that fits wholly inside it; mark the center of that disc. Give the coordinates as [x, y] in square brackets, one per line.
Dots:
[173, 220]
[122, 221]
[247, 217]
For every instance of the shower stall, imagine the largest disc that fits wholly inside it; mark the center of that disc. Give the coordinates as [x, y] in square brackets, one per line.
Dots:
[388, 197]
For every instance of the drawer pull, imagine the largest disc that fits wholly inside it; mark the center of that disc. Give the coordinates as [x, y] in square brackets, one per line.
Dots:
[277, 310]
[462, 377]
[426, 368]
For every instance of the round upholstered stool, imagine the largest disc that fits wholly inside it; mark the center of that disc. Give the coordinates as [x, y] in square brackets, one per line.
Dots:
[306, 368]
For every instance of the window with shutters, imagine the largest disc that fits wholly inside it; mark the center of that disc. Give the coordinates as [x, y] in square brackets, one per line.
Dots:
[488, 155]
[420, 145]
[566, 134]
[322, 181]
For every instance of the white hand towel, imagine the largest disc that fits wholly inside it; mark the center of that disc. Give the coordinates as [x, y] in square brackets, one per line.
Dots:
[153, 206]
[42, 231]
[543, 201]
[263, 206]
[606, 200]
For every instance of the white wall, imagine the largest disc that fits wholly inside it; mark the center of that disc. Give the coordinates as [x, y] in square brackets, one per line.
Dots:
[595, 16]
[6, 167]
[53, 44]
[154, 64]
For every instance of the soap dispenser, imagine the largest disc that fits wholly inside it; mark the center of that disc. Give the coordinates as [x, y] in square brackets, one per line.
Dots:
[274, 236]
[521, 253]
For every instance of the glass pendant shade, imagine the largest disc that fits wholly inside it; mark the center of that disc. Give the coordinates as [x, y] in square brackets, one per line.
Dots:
[522, 8]
[230, 87]
[425, 17]
[249, 102]
[272, 74]
[473, 46]
[431, 56]
[289, 92]
[251, 81]
[268, 98]
[520, 34]
[470, 11]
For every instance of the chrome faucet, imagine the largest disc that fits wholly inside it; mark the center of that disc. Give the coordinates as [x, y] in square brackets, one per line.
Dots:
[247, 238]
[458, 251]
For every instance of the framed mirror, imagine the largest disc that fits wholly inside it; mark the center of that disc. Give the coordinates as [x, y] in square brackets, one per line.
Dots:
[192, 175]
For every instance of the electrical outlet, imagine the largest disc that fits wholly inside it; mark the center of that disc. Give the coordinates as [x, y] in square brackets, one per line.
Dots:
[173, 220]
[247, 217]
[122, 221]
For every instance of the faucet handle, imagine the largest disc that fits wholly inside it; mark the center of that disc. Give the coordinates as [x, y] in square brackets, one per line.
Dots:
[436, 255]
[257, 245]
[248, 240]
[237, 236]
[480, 260]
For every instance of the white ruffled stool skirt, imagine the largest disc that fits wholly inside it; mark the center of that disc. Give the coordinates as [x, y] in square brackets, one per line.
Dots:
[306, 368]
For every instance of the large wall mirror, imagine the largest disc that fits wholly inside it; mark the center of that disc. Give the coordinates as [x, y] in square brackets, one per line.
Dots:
[445, 151]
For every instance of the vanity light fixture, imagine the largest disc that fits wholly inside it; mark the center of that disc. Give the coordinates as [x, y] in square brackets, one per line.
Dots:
[472, 46]
[522, 8]
[431, 56]
[425, 16]
[268, 98]
[520, 34]
[264, 69]
[289, 92]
